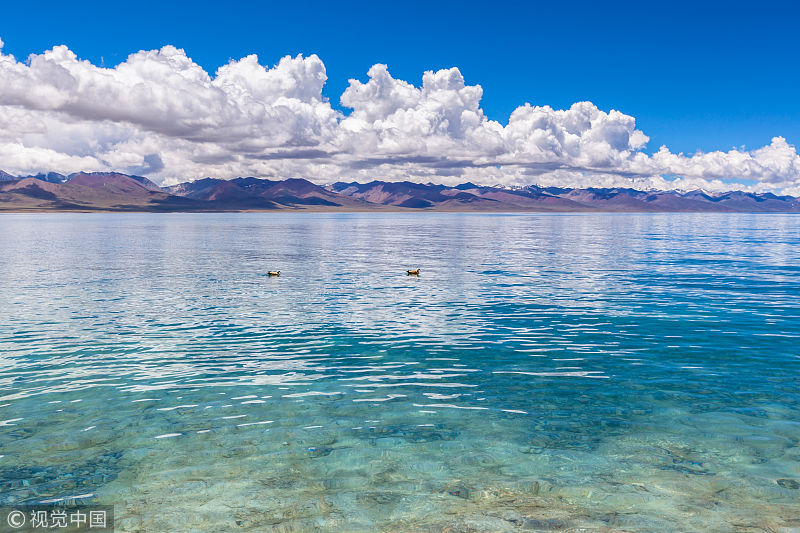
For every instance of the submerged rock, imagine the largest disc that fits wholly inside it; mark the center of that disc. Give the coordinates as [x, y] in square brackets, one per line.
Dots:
[682, 461]
[415, 434]
[532, 450]
[546, 524]
[280, 482]
[381, 497]
[459, 491]
[319, 451]
[789, 483]
[20, 485]
[478, 459]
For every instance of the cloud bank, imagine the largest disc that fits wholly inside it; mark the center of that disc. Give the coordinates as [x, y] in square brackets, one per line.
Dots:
[160, 114]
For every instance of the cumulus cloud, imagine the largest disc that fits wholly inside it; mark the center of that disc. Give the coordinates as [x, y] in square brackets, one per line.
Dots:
[160, 114]
[442, 117]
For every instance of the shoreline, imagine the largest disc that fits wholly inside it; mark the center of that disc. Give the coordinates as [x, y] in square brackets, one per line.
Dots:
[393, 209]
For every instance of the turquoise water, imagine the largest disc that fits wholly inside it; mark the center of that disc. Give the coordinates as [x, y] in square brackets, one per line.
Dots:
[544, 372]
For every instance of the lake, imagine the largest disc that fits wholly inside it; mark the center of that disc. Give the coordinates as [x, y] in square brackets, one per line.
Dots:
[612, 372]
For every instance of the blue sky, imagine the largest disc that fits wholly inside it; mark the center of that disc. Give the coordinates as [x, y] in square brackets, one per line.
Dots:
[696, 75]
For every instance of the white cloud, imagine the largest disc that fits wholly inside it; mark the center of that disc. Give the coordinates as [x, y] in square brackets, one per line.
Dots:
[443, 117]
[160, 114]
[776, 164]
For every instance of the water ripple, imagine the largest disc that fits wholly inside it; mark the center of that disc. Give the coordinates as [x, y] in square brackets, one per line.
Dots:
[638, 366]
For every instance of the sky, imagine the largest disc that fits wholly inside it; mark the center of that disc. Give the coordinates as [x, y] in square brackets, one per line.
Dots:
[715, 83]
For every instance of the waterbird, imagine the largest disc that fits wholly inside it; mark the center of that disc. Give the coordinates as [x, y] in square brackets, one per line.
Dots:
[413, 272]
[274, 273]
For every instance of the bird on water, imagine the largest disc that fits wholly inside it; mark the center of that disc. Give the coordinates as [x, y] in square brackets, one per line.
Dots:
[274, 273]
[413, 272]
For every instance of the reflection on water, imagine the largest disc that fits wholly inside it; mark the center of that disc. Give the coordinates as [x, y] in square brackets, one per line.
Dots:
[544, 372]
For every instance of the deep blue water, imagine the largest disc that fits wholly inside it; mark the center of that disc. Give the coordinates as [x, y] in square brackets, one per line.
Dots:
[544, 372]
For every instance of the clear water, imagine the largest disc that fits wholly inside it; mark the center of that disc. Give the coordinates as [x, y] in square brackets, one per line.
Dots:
[544, 372]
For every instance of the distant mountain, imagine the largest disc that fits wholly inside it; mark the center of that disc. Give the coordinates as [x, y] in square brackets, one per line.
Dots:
[621, 199]
[471, 197]
[89, 192]
[255, 193]
[744, 201]
[114, 183]
[52, 177]
[465, 197]
[113, 191]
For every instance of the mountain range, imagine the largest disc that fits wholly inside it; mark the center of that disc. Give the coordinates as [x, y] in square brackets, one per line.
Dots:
[121, 192]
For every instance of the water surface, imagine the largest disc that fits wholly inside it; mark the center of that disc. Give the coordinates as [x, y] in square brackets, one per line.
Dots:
[544, 372]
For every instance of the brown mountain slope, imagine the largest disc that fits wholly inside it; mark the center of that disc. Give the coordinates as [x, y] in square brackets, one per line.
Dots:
[119, 192]
[88, 192]
[255, 193]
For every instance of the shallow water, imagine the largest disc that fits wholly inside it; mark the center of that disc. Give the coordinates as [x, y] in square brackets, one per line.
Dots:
[544, 372]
